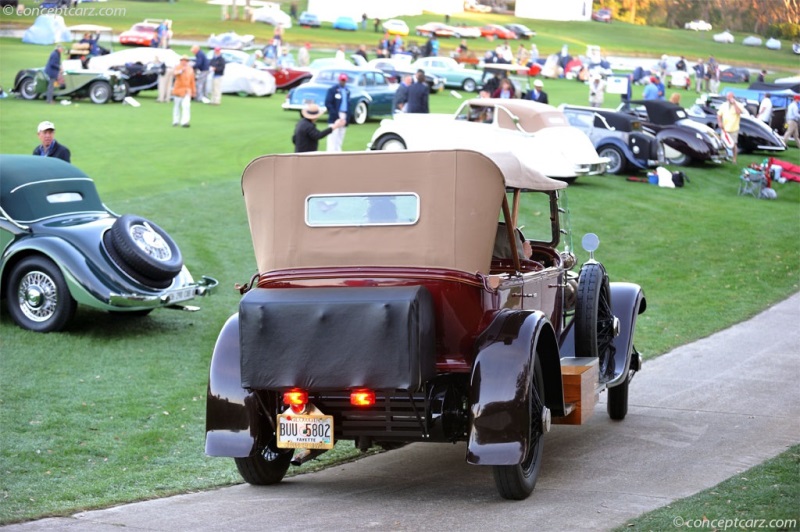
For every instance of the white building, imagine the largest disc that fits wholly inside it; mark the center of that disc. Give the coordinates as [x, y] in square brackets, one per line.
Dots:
[329, 10]
[560, 10]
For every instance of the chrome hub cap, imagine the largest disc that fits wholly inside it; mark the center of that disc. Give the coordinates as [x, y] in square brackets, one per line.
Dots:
[150, 242]
[37, 296]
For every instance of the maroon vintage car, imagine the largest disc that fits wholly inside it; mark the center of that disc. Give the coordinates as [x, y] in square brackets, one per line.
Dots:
[395, 310]
[289, 78]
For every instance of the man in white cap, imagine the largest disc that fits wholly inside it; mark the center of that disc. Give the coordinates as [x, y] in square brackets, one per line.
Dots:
[49, 147]
[337, 102]
[306, 135]
[538, 94]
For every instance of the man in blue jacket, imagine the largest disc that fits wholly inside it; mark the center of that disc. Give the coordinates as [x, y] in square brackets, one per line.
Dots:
[337, 101]
[538, 94]
[49, 147]
[418, 95]
[201, 67]
[53, 69]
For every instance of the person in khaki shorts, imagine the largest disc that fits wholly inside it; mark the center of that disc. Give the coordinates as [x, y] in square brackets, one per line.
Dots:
[793, 122]
[728, 118]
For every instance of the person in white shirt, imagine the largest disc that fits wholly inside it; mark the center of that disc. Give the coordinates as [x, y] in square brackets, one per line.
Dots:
[765, 109]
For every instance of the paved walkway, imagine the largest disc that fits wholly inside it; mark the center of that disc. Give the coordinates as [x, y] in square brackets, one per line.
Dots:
[699, 415]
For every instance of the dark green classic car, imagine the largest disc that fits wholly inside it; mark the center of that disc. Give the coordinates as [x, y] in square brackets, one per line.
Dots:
[98, 86]
[61, 246]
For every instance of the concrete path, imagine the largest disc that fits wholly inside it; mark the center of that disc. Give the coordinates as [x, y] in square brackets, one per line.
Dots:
[698, 415]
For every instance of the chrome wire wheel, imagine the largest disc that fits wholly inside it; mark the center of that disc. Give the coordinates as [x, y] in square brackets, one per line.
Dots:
[149, 241]
[37, 296]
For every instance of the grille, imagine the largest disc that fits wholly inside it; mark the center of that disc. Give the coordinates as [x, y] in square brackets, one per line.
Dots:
[393, 417]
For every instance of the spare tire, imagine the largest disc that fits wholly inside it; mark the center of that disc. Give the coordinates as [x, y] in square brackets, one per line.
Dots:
[144, 251]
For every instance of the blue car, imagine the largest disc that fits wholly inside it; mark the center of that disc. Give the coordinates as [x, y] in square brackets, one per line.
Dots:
[345, 24]
[371, 94]
[308, 20]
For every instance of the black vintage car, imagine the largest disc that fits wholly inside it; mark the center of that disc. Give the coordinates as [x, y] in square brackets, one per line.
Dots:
[684, 139]
[619, 137]
[139, 76]
[754, 135]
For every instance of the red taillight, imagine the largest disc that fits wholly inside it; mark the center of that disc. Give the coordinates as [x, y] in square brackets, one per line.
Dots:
[362, 397]
[297, 399]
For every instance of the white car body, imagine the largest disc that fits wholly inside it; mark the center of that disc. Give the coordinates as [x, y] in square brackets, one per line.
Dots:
[467, 32]
[139, 54]
[241, 79]
[698, 25]
[538, 133]
[724, 37]
[396, 26]
[271, 15]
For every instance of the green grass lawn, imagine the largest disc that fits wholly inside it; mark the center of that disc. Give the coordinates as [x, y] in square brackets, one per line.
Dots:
[112, 410]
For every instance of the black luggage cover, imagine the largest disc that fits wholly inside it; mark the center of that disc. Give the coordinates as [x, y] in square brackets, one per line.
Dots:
[321, 339]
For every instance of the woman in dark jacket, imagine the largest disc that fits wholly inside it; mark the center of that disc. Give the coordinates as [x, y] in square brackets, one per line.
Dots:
[306, 135]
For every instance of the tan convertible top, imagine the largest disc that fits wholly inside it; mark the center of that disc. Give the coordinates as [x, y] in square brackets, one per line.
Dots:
[533, 116]
[460, 197]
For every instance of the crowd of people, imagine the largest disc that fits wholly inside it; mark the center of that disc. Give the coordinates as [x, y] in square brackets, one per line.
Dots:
[199, 78]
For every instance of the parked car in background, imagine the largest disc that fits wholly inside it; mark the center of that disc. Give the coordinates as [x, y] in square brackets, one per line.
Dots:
[735, 75]
[371, 94]
[602, 15]
[697, 25]
[395, 26]
[62, 246]
[476, 7]
[684, 139]
[308, 20]
[466, 32]
[231, 40]
[618, 137]
[272, 15]
[538, 133]
[724, 37]
[434, 28]
[345, 24]
[395, 69]
[397, 310]
[283, 78]
[496, 31]
[455, 75]
[141, 34]
[247, 81]
[134, 55]
[522, 31]
[100, 86]
[754, 135]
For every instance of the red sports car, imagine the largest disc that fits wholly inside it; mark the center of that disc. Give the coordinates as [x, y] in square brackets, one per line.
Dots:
[499, 32]
[140, 34]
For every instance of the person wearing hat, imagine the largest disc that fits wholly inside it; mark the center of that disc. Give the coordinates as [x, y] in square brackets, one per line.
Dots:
[538, 94]
[49, 147]
[793, 122]
[337, 102]
[651, 89]
[53, 70]
[218, 70]
[597, 90]
[306, 135]
[183, 90]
